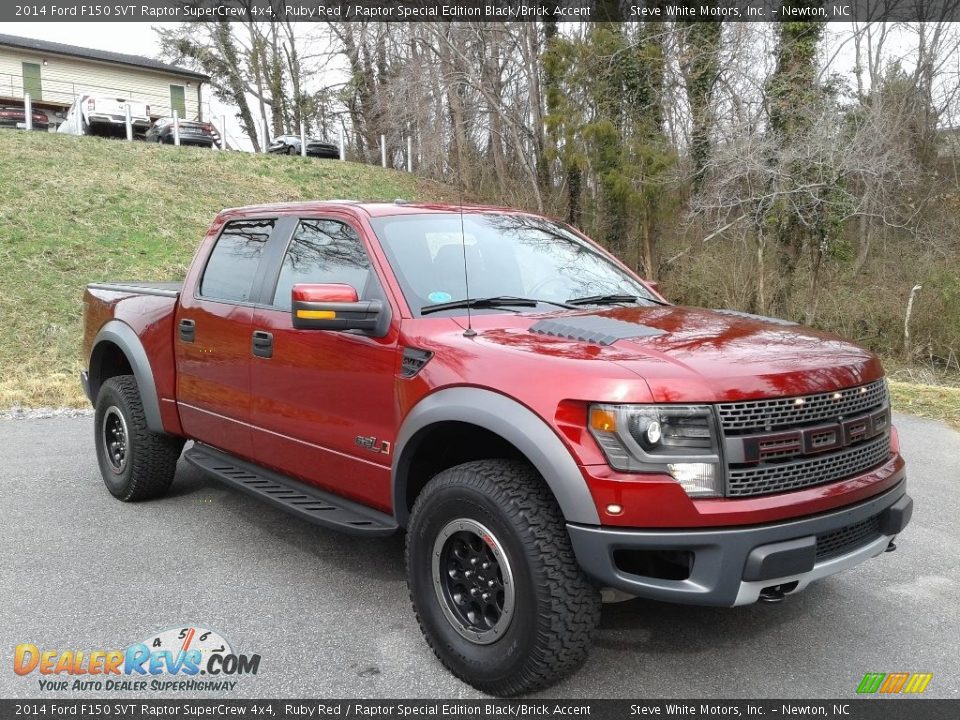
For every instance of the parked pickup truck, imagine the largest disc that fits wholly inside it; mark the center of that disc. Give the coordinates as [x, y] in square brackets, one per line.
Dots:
[105, 115]
[546, 428]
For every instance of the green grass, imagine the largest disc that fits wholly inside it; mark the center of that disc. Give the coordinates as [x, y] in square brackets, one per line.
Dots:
[79, 210]
[938, 402]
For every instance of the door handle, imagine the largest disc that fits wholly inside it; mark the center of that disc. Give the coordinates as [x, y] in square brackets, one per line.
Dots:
[262, 344]
[188, 330]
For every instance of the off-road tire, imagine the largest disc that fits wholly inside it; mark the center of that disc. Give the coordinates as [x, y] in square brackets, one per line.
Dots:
[150, 458]
[556, 609]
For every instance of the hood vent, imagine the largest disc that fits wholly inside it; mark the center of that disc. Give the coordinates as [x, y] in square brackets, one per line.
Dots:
[594, 329]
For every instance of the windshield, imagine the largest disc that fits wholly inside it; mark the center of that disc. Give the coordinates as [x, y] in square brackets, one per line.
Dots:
[506, 256]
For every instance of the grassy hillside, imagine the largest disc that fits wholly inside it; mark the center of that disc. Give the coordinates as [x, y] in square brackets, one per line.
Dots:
[77, 210]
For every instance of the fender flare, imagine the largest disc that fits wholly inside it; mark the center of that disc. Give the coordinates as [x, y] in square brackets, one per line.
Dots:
[123, 336]
[513, 422]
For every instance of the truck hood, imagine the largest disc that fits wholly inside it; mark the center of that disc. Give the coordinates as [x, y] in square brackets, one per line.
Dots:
[691, 354]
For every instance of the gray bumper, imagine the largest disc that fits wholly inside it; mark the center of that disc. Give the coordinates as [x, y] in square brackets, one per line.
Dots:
[731, 566]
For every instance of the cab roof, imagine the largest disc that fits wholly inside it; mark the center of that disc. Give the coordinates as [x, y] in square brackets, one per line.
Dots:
[370, 209]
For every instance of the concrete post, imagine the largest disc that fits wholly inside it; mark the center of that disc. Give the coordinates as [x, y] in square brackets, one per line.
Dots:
[303, 140]
[383, 150]
[409, 154]
[343, 149]
[176, 128]
[129, 123]
[27, 112]
[223, 132]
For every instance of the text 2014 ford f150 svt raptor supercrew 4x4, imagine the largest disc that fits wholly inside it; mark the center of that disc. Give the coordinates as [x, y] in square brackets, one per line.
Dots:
[545, 427]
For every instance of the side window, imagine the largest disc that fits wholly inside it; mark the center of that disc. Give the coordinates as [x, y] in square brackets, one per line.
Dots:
[234, 261]
[322, 251]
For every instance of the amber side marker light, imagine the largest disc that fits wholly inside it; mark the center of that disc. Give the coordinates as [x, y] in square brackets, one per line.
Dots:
[603, 420]
[316, 314]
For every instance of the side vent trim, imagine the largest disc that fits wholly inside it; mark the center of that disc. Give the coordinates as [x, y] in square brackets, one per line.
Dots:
[414, 360]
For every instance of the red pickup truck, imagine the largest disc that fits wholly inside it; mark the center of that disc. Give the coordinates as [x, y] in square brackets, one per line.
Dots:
[546, 428]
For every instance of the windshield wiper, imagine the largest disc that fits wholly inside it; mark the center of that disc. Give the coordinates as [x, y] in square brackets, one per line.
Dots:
[489, 302]
[611, 299]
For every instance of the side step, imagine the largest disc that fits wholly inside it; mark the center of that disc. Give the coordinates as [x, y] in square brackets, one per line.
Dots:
[295, 497]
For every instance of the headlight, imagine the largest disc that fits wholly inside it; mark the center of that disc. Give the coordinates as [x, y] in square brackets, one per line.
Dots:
[681, 440]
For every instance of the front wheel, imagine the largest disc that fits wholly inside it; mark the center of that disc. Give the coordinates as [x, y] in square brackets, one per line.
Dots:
[494, 581]
[136, 463]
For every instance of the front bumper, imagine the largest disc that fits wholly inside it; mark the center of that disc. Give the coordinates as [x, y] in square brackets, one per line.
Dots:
[731, 566]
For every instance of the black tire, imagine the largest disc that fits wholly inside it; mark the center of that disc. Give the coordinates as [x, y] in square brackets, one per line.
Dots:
[136, 463]
[291, 150]
[554, 609]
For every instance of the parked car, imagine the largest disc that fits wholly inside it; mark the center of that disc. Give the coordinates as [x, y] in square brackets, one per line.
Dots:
[105, 115]
[15, 116]
[290, 145]
[559, 435]
[192, 132]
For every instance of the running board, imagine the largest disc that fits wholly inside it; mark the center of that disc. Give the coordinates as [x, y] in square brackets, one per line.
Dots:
[297, 498]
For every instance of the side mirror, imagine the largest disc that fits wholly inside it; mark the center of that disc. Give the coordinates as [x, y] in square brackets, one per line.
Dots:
[333, 307]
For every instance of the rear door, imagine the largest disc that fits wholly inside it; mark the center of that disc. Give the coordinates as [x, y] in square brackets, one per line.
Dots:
[178, 101]
[31, 81]
[324, 402]
[212, 337]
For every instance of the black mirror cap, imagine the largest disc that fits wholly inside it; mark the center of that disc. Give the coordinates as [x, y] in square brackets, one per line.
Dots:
[363, 315]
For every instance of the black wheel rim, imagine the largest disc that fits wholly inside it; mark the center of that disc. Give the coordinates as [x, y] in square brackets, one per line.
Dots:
[114, 437]
[473, 581]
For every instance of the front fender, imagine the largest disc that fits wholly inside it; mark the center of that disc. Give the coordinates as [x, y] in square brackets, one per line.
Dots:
[123, 336]
[513, 422]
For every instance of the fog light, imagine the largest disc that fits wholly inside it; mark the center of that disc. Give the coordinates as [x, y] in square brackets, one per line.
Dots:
[698, 479]
[614, 509]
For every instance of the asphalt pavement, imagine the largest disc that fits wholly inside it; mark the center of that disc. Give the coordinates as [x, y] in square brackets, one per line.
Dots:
[330, 617]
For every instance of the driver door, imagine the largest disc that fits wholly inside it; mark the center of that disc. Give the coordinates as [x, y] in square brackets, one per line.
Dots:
[320, 391]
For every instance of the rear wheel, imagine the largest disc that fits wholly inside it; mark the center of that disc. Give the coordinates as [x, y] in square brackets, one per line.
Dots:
[493, 579]
[136, 463]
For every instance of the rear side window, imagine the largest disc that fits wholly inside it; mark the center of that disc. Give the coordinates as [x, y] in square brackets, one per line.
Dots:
[235, 259]
[322, 251]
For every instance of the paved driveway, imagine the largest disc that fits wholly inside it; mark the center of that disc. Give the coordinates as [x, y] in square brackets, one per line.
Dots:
[330, 616]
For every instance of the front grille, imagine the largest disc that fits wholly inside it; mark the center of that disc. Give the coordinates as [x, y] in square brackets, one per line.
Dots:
[846, 539]
[818, 470]
[759, 415]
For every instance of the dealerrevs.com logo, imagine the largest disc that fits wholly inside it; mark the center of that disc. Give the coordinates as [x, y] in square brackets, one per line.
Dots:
[187, 658]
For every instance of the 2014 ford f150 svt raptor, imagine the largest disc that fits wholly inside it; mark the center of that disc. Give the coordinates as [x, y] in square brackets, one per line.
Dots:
[545, 427]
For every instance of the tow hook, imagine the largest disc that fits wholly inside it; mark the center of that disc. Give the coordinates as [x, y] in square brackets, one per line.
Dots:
[776, 593]
[771, 594]
[892, 546]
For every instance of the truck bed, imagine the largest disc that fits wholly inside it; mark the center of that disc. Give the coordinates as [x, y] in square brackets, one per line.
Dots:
[163, 289]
